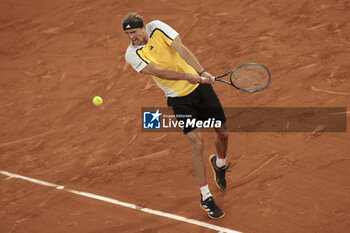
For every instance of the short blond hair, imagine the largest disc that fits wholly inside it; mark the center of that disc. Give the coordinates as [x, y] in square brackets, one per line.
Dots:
[132, 17]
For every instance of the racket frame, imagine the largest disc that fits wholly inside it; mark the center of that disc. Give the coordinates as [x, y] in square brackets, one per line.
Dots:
[217, 78]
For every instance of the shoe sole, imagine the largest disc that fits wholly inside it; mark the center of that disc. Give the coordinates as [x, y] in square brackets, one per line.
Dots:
[212, 167]
[209, 214]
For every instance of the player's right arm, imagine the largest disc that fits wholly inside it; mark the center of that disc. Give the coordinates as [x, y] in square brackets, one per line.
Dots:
[153, 69]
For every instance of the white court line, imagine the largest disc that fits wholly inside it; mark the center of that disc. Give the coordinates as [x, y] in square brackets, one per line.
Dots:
[120, 203]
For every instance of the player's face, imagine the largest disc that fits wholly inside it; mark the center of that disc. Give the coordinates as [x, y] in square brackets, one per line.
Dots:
[137, 36]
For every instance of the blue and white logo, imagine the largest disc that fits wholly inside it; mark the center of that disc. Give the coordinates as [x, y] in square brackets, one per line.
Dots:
[151, 120]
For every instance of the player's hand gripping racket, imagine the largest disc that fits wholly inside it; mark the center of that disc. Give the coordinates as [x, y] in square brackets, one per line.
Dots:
[250, 77]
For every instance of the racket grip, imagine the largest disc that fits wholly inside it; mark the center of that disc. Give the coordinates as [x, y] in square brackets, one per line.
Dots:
[203, 78]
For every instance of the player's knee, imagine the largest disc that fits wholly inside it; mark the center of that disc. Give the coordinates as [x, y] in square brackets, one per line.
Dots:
[196, 140]
[223, 135]
[199, 143]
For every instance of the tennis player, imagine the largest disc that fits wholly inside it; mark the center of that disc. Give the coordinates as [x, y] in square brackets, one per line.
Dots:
[156, 49]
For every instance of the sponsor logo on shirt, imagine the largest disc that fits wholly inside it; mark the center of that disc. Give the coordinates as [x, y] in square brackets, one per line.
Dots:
[139, 65]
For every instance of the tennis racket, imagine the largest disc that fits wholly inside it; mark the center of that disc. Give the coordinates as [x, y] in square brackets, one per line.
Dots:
[250, 77]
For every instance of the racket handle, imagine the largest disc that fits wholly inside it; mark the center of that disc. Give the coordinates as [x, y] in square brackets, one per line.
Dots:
[203, 78]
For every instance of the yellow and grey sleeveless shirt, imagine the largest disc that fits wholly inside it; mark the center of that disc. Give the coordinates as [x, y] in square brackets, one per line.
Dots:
[158, 51]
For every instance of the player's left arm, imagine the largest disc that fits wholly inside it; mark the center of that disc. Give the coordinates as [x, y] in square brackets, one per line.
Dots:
[189, 57]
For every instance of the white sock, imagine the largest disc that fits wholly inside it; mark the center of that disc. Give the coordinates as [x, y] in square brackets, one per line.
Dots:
[205, 192]
[220, 161]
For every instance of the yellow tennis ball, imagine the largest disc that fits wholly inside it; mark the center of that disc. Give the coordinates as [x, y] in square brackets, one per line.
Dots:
[97, 100]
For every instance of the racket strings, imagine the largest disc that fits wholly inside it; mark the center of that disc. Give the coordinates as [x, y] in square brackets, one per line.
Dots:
[250, 78]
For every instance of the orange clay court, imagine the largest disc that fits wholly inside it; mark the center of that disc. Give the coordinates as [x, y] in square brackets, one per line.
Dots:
[55, 56]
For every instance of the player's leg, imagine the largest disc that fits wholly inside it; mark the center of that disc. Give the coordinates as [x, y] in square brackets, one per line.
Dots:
[198, 166]
[185, 106]
[210, 107]
[218, 161]
[221, 140]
